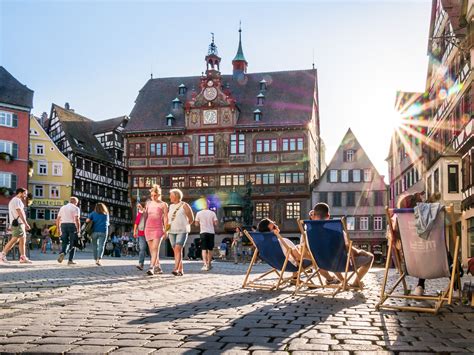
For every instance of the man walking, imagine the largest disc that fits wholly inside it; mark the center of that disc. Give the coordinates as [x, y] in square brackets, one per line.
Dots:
[69, 224]
[206, 219]
[19, 226]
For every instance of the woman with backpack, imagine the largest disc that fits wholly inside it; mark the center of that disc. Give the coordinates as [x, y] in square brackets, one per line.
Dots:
[100, 226]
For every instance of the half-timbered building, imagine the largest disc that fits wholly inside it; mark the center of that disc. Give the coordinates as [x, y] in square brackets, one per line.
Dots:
[209, 135]
[96, 150]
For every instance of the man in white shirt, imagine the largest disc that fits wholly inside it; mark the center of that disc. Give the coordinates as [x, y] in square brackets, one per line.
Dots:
[18, 225]
[206, 219]
[68, 222]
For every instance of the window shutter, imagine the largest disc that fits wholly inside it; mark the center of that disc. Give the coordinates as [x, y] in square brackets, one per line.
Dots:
[350, 176]
[15, 150]
[384, 222]
[328, 176]
[15, 120]
[47, 215]
[13, 182]
[356, 223]
[344, 156]
[32, 213]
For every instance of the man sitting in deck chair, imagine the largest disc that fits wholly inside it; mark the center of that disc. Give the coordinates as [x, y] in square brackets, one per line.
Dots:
[363, 259]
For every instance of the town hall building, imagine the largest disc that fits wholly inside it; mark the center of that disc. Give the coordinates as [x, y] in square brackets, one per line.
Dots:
[212, 134]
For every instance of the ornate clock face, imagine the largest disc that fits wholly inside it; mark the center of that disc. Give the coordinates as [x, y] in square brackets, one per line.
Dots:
[210, 93]
[210, 83]
[210, 117]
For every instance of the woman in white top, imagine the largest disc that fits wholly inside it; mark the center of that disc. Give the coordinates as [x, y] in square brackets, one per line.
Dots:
[180, 217]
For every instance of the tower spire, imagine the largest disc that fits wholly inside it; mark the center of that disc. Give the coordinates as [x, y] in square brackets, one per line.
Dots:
[239, 63]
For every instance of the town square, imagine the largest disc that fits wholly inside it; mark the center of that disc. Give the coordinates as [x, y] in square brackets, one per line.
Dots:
[252, 177]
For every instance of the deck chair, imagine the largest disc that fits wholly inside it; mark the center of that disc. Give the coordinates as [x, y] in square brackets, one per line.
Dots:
[420, 258]
[269, 249]
[324, 239]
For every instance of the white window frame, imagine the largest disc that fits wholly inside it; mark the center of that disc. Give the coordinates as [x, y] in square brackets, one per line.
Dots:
[350, 223]
[6, 179]
[345, 175]
[51, 188]
[56, 166]
[39, 146]
[367, 175]
[364, 223]
[42, 164]
[37, 213]
[53, 215]
[350, 155]
[7, 117]
[378, 223]
[333, 178]
[8, 147]
[34, 191]
[355, 173]
[291, 209]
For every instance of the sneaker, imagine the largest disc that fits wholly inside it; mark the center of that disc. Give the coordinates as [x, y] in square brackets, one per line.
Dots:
[3, 258]
[60, 258]
[179, 273]
[25, 260]
[204, 268]
[419, 291]
[71, 262]
[98, 262]
[158, 270]
[151, 271]
[140, 267]
[175, 273]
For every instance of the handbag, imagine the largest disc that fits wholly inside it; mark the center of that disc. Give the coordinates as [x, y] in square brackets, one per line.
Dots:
[173, 217]
[15, 222]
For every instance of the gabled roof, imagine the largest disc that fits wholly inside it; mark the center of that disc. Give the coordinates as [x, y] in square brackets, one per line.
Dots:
[289, 100]
[362, 161]
[107, 125]
[13, 92]
[79, 132]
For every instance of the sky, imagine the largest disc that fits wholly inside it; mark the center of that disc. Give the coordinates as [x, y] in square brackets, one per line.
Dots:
[97, 55]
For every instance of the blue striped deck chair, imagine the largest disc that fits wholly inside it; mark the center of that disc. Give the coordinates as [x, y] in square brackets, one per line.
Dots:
[269, 249]
[419, 258]
[324, 239]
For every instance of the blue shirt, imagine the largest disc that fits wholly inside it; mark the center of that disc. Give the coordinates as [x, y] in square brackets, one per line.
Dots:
[101, 222]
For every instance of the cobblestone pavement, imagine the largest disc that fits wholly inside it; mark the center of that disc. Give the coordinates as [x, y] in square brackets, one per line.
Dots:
[52, 308]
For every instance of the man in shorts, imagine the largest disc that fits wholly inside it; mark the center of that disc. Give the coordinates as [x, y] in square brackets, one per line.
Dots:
[18, 225]
[207, 220]
[363, 259]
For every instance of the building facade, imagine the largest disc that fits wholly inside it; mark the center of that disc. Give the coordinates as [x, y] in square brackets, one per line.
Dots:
[51, 182]
[450, 93]
[95, 148]
[16, 101]
[406, 168]
[210, 135]
[353, 189]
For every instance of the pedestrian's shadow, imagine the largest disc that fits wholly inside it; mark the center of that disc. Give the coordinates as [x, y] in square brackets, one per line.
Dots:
[249, 319]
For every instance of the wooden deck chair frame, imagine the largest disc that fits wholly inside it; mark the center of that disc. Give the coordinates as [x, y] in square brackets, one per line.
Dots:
[257, 283]
[439, 300]
[309, 283]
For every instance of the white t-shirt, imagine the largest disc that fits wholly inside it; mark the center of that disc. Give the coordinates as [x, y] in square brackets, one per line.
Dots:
[68, 213]
[12, 209]
[206, 220]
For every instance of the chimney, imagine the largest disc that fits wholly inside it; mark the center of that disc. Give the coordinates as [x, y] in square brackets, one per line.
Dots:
[66, 106]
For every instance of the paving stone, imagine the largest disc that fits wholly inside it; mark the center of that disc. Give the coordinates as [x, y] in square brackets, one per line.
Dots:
[18, 340]
[50, 349]
[56, 340]
[91, 349]
[163, 344]
[135, 350]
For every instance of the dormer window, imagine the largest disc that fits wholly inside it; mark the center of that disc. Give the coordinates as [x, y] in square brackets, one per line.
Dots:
[176, 103]
[260, 99]
[182, 89]
[257, 114]
[169, 120]
[263, 85]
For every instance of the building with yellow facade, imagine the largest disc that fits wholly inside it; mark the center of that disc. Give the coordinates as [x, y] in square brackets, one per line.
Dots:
[51, 182]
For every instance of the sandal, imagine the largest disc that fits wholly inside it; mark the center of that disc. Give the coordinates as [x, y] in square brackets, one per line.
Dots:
[175, 273]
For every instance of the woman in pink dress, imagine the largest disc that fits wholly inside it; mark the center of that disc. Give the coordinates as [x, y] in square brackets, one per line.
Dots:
[156, 219]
